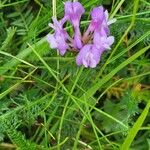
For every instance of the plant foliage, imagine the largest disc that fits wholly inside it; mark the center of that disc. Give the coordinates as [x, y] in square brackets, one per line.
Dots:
[47, 102]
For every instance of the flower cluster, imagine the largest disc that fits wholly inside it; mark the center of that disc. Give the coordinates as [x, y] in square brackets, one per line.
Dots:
[91, 44]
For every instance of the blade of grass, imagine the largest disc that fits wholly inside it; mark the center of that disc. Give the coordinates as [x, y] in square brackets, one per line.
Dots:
[106, 78]
[67, 92]
[136, 127]
[128, 16]
[21, 60]
[16, 85]
[129, 47]
[92, 90]
[23, 54]
[67, 102]
[98, 110]
[11, 4]
[47, 106]
[49, 69]
[116, 9]
[93, 125]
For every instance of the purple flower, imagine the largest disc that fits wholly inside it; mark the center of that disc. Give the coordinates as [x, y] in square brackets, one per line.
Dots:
[97, 16]
[99, 21]
[58, 40]
[73, 12]
[89, 56]
[94, 41]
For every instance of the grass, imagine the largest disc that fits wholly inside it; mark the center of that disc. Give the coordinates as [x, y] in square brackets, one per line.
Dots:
[48, 102]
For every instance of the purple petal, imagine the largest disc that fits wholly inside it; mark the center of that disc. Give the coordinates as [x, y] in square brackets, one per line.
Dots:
[110, 40]
[78, 9]
[97, 40]
[106, 14]
[111, 21]
[58, 40]
[82, 53]
[57, 24]
[77, 39]
[62, 44]
[98, 18]
[68, 8]
[89, 56]
[97, 14]
[102, 41]
[89, 61]
[52, 41]
[107, 42]
[51, 26]
[74, 11]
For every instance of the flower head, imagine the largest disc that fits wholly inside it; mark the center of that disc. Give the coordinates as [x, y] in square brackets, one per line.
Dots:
[94, 41]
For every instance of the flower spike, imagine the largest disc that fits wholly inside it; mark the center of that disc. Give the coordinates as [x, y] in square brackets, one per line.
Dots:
[94, 41]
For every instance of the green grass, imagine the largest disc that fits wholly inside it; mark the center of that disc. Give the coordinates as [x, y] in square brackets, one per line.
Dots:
[48, 102]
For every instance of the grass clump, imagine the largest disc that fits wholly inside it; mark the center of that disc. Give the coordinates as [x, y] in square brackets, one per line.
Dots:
[48, 102]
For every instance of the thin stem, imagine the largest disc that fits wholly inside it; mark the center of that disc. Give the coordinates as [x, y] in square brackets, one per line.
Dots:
[116, 9]
[55, 16]
[67, 102]
[54, 9]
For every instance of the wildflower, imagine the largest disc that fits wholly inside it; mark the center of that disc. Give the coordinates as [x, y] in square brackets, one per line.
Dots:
[97, 16]
[99, 22]
[89, 56]
[73, 12]
[58, 40]
[94, 41]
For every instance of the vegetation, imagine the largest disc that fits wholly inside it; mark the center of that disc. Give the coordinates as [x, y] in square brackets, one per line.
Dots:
[48, 102]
